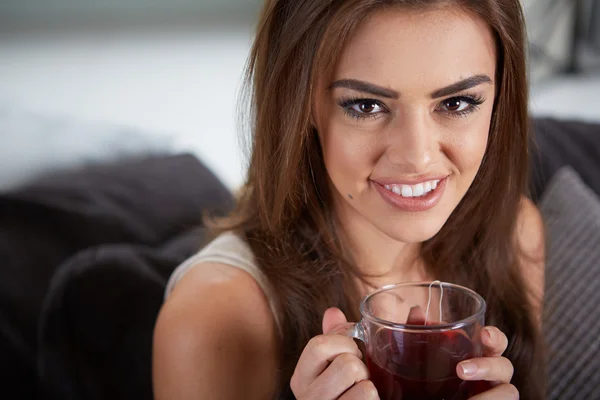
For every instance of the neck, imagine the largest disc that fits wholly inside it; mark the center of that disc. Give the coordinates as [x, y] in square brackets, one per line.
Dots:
[380, 260]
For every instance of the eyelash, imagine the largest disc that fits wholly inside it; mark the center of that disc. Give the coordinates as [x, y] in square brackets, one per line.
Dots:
[346, 104]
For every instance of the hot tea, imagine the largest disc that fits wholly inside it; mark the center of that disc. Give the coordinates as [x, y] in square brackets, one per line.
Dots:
[415, 334]
[419, 365]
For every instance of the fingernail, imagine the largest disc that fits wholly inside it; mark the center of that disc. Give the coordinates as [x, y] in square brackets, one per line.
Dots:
[491, 334]
[468, 368]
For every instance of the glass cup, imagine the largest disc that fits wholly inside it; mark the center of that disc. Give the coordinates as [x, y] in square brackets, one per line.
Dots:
[415, 334]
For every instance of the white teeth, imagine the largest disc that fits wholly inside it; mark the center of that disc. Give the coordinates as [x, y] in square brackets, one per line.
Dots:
[417, 190]
[407, 191]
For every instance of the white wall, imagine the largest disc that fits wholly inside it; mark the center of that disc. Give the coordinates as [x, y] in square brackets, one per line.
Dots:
[180, 83]
[551, 35]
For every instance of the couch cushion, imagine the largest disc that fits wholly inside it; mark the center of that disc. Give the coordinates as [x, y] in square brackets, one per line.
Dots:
[97, 320]
[148, 202]
[571, 317]
[557, 143]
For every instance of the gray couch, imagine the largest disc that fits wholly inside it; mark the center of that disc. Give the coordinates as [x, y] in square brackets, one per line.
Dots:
[566, 185]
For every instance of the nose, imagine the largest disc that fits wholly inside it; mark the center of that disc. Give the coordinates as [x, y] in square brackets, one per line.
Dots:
[412, 143]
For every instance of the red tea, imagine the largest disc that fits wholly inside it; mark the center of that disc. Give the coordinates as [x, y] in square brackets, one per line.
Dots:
[419, 366]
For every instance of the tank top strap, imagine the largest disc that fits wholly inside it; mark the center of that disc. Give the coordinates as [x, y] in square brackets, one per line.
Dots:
[230, 249]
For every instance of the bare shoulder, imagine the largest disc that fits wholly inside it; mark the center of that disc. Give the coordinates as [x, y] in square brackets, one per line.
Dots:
[531, 240]
[530, 230]
[215, 337]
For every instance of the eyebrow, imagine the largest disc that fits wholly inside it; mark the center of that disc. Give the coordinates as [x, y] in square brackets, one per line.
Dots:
[361, 86]
[366, 87]
[459, 86]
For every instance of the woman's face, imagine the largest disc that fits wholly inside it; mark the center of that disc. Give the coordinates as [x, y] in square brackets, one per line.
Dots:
[404, 123]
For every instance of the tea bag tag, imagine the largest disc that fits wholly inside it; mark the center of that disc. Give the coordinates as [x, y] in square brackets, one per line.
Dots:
[429, 300]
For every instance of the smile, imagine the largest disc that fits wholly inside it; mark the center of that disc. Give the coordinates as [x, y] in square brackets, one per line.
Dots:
[417, 197]
[418, 190]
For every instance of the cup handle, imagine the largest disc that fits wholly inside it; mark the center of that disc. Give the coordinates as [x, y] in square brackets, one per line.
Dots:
[354, 330]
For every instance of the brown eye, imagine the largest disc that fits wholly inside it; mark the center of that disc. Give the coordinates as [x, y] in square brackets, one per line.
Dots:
[362, 108]
[460, 106]
[453, 104]
[367, 107]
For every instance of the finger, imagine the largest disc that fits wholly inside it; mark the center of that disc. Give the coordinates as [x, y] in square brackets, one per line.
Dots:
[333, 318]
[345, 371]
[494, 341]
[492, 369]
[505, 391]
[318, 354]
[363, 390]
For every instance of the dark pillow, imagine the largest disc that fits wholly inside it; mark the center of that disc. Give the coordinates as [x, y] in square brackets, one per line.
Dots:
[98, 317]
[557, 143]
[571, 212]
[146, 200]
[140, 202]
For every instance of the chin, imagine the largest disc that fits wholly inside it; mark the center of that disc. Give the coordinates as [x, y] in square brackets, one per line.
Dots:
[408, 231]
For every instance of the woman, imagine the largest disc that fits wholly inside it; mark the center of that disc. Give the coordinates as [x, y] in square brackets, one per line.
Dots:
[389, 144]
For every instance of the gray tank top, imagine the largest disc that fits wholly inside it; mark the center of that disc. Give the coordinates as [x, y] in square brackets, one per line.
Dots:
[232, 250]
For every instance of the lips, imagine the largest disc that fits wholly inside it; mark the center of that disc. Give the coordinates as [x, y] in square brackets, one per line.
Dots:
[412, 197]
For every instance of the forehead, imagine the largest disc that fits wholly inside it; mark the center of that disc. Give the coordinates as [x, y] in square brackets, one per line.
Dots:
[417, 50]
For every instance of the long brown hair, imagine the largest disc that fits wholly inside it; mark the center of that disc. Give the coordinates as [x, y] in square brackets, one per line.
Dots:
[285, 208]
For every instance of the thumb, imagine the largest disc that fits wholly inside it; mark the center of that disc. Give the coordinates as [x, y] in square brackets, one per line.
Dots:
[332, 319]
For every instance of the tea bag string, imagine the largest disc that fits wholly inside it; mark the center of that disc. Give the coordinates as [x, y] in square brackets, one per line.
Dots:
[429, 300]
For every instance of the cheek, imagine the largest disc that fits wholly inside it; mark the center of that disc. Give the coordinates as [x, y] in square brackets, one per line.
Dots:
[466, 147]
[349, 154]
